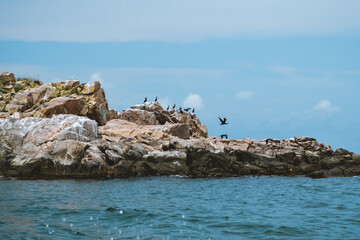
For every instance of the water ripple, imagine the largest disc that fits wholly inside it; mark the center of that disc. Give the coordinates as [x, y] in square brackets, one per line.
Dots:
[181, 208]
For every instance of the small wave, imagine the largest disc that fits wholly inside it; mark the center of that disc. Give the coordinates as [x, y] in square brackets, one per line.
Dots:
[111, 209]
[179, 176]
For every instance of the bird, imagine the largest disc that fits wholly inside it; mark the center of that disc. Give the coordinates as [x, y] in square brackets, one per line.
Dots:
[187, 109]
[180, 108]
[174, 106]
[168, 108]
[223, 121]
[145, 100]
[156, 99]
[224, 136]
[193, 110]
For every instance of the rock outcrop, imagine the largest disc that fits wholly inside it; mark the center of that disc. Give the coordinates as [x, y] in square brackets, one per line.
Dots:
[70, 146]
[62, 130]
[151, 113]
[25, 97]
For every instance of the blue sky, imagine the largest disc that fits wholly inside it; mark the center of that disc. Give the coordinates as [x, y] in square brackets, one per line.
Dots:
[274, 68]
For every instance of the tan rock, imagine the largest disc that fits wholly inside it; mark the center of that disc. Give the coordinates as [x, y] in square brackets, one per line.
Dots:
[111, 114]
[138, 116]
[16, 115]
[98, 106]
[91, 87]
[64, 105]
[7, 78]
[180, 130]
[149, 106]
[34, 96]
[122, 128]
[11, 108]
[4, 114]
[67, 152]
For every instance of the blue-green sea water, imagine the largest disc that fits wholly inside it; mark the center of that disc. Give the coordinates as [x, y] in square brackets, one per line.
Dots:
[181, 208]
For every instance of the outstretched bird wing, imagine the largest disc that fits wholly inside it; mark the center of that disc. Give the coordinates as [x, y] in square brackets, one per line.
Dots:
[220, 120]
[224, 120]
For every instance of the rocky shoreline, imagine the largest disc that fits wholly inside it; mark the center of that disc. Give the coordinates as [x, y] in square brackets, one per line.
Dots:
[65, 130]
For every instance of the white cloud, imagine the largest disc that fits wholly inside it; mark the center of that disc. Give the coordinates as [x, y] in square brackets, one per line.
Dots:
[97, 77]
[282, 70]
[243, 95]
[193, 101]
[325, 105]
[173, 20]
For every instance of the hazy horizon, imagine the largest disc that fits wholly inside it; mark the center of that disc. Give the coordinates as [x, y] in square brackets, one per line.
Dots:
[274, 69]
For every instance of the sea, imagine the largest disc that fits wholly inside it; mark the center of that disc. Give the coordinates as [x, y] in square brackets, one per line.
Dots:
[267, 207]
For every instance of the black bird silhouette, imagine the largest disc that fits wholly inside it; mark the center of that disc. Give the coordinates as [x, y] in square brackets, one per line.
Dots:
[180, 108]
[145, 100]
[174, 106]
[223, 121]
[193, 110]
[168, 108]
[156, 99]
[187, 109]
[224, 136]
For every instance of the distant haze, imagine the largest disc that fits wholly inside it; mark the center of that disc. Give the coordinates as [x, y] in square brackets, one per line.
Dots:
[273, 68]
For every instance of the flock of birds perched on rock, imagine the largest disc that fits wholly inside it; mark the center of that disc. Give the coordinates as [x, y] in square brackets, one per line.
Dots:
[223, 121]
[174, 106]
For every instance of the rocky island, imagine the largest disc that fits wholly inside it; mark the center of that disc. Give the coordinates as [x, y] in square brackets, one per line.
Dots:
[66, 130]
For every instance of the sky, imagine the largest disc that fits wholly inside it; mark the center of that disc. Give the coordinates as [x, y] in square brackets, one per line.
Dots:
[273, 68]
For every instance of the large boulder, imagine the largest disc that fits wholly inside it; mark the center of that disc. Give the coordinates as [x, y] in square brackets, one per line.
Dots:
[91, 87]
[34, 96]
[139, 116]
[64, 105]
[61, 139]
[151, 113]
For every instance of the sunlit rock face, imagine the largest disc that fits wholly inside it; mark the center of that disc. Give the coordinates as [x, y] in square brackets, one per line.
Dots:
[152, 113]
[29, 98]
[65, 130]
[70, 146]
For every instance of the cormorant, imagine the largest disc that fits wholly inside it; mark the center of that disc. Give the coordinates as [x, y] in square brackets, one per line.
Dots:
[167, 108]
[174, 106]
[223, 121]
[224, 136]
[187, 109]
[156, 99]
[193, 110]
[145, 100]
[180, 108]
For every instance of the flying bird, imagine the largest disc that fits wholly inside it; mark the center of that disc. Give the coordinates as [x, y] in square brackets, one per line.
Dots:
[223, 121]
[187, 109]
[145, 100]
[193, 110]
